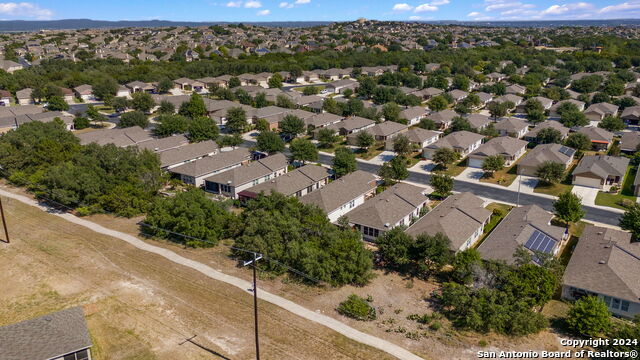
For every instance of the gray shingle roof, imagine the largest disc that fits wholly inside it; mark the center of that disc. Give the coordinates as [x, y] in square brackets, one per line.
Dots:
[503, 145]
[293, 181]
[457, 217]
[597, 134]
[46, 337]
[119, 137]
[546, 152]
[207, 164]
[605, 261]
[341, 191]
[250, 172]
[459, 139]
[602, 165]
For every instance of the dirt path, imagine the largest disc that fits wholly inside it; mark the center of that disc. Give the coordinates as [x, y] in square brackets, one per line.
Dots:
[285, 304]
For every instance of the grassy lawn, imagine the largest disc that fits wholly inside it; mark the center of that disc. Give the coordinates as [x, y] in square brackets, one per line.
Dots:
[452, 170]
[503, 177]
[557, 189]
[615, 200]
[495, 219]
[333, 148]
[413, 160]
[320, 88]
[105, 109]
[373, 152]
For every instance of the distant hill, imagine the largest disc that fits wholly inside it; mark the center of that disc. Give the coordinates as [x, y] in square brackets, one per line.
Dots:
[540, 23]
[29, 25]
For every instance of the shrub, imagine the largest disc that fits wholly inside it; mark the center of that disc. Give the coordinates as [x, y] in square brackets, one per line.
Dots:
[435, 326]
[626, 203]
[482, 343]
[357, 308]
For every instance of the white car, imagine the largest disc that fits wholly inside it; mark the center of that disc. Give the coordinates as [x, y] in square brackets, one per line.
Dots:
[325, 91]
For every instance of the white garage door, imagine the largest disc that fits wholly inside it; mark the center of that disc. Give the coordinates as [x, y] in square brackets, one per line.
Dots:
[475, 163]
[587, 181]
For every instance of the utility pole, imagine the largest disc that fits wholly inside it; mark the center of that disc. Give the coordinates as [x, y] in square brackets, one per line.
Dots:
[4, 222]
[519, 184]
[254, 262]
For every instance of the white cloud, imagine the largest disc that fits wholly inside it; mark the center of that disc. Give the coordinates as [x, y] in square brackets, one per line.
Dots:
[25, 9]
[402, 7]
[285, 5]
[625, 6]
[425, 7]
[415, 17]
[264, 12]
[473, 14]
[300, 2]
[507, 5]
[562, 9]
[253, 4]
[440, 2]
[234, 4]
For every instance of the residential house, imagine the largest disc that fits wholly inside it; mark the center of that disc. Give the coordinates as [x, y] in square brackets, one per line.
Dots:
[139, 86]
[601, 139]
[543, 153]
[462, 142]
[5, 98]
[485, 98]
[230, 183]
[24, 96]
[631, 115]
[605, 263]
[381, 132]
[67, 94]
[597, 112]
[343, 194]
[398, 205]
[545, 102]
[532, 135]
[322, 120]
[351, 125]
[513, 127]
[121, 137]
[159, 145]
[509, 148]
[84, 92]
[528, 227]
[629, 142]
[458, 95]
[123, 91]
[196, 171]
[339, 86]
[461, 217]
[418, 137]
[553, 110]
[10, 66]
[515, 89]
[443, 119]
[298, 183]
[515, 99]
[478, 122]
[62, 335]
[413, 114]
[188, 153]
[428, 93]
[600, 171]
[189, 85]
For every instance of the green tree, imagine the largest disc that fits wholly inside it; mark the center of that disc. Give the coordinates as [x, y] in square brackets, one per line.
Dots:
[236, 120]
[327, 137]
[445, 157]
[464, 265]
[57, 103]
[589, 316]
[357, 308]
[432, 252]
[532, 282]
[394, 170]
[442, 184]
[105, 89]
[291, 126]
[492, 164]
[391, 112]
[427, 124]
[275, 81]
[168, 125]
[402, 146]
[573, 118]
[142, 101]
[133, 118]
[568, 207]
[365, 140]
[578, 141]
[284, 101]
[80, 123]
[344, 162]
[234, 82]
[119, 104]
[194, 107]
[460, 82]
[310, 90]
[394, 248]
[497, 110]
[260, 100]
[630, 220]
[612, 123]
[269, 142]
[549, 136]
[303, 150]
[460, 124]
[164, 85]
[202, 128]
[550, 172]
[438, 103]
[232, 140]
[262, 125]
[166, 108]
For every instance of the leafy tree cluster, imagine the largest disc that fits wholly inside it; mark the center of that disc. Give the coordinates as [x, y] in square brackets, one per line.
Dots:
[357, 308]
[420, 256]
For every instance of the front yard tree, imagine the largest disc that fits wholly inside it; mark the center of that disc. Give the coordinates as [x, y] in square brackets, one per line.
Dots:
[327, 137]
[589, 316]
[630, 220]
[402, 146]
[612, 123]
[442, 184]
[166, 108]
[142, 101]
[291, 126]
[236, 120]
[57, 103]
[275, 81]
[549, 136]
[269, 142]
[550, 172]
[344, 162]
[394, 170]
[568, 207]
[438, 103]
[365, 140]
[445, 157]
[194, 107]
[164, 85]
[303, 150]
[492, 164]
[133, 118]
[497, 110]
[202, 128]
[578, 141]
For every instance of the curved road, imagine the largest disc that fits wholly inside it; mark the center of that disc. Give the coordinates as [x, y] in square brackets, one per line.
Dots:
[288, 305]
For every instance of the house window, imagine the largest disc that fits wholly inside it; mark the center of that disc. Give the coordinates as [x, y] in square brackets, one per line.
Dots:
[225, 188]
[370, 231]
[607, 301]
[352, 204]
[298, 193]
[615, 304]
[256, 182]
[624, 306]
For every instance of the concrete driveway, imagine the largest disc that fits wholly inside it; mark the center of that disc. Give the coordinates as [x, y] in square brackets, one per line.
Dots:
[587, 194]
[525, 183]
[382, 157]
[470, 174]
[423, 166]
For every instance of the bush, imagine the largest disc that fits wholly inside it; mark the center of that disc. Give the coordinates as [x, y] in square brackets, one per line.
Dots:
[589, 316]
[357, 308]
[435, 326]
[626, 203]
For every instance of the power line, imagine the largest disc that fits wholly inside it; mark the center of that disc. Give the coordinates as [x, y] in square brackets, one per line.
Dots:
[4, 222]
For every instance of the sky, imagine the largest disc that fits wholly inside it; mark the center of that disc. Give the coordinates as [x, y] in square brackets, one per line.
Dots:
[319, 10]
